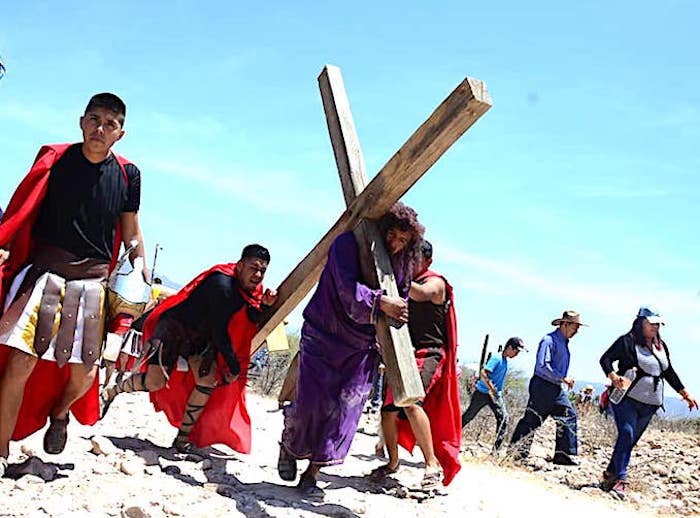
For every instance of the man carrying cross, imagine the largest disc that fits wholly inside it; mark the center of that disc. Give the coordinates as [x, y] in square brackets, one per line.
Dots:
[338, 349]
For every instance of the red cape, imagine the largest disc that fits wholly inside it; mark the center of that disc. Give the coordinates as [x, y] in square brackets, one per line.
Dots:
[225, 418]
[47, 382]
[442, 402]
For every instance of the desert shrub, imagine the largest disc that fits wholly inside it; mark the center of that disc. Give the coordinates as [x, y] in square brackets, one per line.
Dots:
[266, 375]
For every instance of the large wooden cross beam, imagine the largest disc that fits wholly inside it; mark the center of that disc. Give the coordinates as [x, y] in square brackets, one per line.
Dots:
[397, 350]
[455, 115]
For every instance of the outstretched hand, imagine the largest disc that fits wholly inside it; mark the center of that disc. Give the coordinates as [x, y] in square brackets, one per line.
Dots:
[270, 297]
[4, 255]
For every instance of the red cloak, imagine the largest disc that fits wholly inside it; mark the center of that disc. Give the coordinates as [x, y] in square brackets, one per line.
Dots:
[442, 401]
[225, 419]
[47, 382]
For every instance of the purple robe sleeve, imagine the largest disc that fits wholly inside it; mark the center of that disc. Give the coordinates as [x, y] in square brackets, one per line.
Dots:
[360, 302]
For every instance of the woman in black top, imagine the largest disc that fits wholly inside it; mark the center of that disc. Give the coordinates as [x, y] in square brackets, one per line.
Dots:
[642, 357]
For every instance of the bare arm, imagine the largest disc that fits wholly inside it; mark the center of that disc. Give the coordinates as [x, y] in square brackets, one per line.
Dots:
[487, 382]
[132, 230]
[433, 290]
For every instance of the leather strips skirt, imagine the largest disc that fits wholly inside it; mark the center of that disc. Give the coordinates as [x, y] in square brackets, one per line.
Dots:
[55, 308]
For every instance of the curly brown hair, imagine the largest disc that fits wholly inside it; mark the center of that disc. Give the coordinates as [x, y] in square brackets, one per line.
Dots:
[404, 218]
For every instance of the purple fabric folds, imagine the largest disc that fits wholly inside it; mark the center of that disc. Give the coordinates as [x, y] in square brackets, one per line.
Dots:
[338, 357]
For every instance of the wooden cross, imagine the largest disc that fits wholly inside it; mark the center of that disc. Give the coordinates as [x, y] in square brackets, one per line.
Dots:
[368, 202]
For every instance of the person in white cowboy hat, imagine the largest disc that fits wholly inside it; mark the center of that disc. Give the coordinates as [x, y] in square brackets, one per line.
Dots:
[547, 397]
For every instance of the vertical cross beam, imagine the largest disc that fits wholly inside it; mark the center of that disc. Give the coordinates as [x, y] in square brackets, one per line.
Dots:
[454, 116]
[397, 350]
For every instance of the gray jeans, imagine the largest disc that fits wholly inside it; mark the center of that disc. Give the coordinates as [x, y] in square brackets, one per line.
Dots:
[478, 401]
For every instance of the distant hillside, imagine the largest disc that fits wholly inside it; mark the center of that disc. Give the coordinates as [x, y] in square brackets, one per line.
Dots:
[674, 407]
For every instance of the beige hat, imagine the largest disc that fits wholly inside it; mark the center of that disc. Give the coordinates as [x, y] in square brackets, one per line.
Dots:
[569, 316]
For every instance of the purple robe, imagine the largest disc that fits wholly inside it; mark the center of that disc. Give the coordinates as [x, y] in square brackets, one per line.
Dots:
[337, 359]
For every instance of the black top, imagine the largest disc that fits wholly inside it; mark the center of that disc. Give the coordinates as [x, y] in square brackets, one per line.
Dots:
[209, 308]
[83, 203]
[426, 323]
[623, 352]
[137, 325]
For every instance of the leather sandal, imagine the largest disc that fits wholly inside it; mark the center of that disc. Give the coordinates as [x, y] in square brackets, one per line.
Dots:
[185, 447]
[56, 436]
[431, 480]
[383, 471]
[105, 402]
[308, 487]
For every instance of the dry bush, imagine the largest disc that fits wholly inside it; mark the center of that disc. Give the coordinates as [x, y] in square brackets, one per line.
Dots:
[269, 379]
[595, 431]
[689, 426]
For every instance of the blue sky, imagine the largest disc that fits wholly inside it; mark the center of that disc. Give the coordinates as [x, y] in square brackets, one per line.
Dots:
[578, 189]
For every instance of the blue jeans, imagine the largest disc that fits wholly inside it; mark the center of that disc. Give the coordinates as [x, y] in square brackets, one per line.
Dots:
[547, 399]
[631, 418]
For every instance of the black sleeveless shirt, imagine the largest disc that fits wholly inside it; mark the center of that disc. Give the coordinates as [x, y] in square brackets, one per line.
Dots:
[426, 324]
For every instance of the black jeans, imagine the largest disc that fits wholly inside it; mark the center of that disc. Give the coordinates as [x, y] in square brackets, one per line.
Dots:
[547, 399]
[478, 401]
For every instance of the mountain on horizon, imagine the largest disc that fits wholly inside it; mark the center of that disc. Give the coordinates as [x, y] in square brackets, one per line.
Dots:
[674, 407]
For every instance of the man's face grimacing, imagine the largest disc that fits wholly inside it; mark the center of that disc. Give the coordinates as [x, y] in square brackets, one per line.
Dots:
[250, 272]
[397, 240]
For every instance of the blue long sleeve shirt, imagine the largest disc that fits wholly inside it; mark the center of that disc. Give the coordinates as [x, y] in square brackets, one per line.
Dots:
[553, 357]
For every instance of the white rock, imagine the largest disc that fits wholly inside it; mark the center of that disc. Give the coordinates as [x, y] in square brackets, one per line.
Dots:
[29, 481]
[131, 467]
[27, 450]
[102, 446]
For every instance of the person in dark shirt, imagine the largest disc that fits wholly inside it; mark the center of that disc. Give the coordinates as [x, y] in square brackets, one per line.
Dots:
[429, 307]
[58, 240]
[208, 323]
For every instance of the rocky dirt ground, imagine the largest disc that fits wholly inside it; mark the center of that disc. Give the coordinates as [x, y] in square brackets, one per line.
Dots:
[122, 467]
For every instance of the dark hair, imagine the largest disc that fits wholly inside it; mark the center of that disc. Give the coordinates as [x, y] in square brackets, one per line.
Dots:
[109, 102]
[637, 332]
[256, 251]
[404, 218]
[426, 249]
[157, 280]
